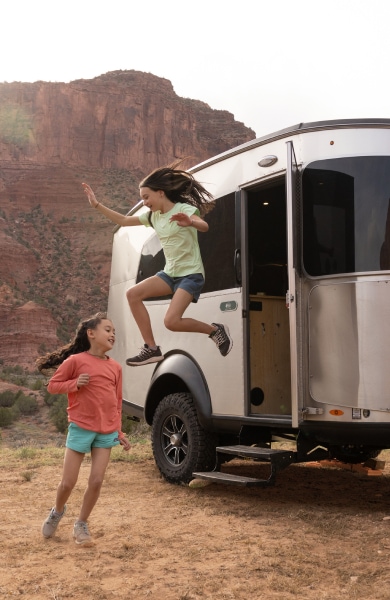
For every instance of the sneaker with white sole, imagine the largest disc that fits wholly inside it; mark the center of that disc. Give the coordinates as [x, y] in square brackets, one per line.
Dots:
[50, 524]
[146, 356]
[222, 339]
[81, 534]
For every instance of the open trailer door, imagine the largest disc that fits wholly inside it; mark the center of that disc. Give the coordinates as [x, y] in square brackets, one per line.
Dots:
[292, 197]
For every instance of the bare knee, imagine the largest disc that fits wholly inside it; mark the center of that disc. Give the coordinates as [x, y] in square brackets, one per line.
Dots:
[134, 295]
[130, 295]
[95, 483]
[66, 486]
[172, 323]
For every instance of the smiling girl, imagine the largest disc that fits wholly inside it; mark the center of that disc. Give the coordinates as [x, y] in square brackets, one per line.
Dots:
[176, 203]
[93, 382]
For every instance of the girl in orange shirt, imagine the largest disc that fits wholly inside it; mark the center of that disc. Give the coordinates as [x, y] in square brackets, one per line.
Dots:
[93, 382]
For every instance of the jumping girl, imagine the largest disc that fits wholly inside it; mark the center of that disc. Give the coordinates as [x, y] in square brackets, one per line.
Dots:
[176, 203]
[93, 382]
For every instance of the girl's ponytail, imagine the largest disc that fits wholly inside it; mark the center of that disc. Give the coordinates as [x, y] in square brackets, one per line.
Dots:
[79, 343]
[179, 186]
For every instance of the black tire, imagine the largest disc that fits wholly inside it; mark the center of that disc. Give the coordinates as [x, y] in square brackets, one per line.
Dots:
[354, 454]
[180, 445]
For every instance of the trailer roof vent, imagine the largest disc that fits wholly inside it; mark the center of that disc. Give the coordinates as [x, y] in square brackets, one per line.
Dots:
[268, 161]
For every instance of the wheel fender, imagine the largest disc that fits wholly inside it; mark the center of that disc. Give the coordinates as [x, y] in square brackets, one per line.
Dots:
[179, 372]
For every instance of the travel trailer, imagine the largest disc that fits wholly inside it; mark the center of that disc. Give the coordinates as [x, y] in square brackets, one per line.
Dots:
[297, 262]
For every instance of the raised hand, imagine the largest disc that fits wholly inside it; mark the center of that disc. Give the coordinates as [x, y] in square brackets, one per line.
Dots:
[90, 195]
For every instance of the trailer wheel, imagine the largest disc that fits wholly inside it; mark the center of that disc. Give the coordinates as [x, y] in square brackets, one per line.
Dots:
[180, 445]
[354, 454]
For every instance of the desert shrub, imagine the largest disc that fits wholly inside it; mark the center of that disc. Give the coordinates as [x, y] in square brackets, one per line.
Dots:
[58, 413]
[7, 398]
[6, 416]
[14, 374]
[128, 425]
[26, 405]
[37, 385]
[49, 399]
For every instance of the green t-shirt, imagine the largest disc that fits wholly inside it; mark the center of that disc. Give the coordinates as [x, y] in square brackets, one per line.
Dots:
[180, 244]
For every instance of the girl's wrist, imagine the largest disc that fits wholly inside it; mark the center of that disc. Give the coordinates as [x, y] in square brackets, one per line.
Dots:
[96, 205]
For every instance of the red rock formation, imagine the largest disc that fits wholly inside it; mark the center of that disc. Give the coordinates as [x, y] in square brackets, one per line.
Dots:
[120, 120]
[25, 330]
[110, 131]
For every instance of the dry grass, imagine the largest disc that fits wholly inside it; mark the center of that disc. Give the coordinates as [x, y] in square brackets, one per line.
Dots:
[319, 534]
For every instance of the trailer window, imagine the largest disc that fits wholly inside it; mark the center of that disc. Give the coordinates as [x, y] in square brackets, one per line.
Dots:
[346, 215]
[217, 246]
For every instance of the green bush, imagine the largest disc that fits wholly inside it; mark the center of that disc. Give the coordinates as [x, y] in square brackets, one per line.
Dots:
[6, 416]
[128, 425]
[7, 398]
[27, 405]
[58, 413]
[37, 385]
[49, 399]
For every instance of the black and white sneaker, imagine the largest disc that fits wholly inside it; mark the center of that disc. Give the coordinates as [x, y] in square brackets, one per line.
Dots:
[146, 356]
[222, 338]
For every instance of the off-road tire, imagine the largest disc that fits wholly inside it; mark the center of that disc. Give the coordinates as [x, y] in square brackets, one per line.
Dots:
[180, 444]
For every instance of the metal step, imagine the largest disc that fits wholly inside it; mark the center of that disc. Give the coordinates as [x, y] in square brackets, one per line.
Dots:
[279, 458]
[218, 477]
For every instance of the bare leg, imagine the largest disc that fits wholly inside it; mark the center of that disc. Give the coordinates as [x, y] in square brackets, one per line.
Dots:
[100, 459]
[173, 318]
[71, 468]
[149, 288]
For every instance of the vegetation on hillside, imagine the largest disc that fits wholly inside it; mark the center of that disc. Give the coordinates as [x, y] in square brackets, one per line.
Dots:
[69, 249]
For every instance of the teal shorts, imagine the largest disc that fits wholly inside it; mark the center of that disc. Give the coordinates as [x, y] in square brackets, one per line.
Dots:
[83, 440]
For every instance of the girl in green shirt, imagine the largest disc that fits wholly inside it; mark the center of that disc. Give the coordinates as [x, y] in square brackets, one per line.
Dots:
[177, 203]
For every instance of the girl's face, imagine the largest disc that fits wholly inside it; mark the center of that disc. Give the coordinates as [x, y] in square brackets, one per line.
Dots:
[151, 198]
[103, 336]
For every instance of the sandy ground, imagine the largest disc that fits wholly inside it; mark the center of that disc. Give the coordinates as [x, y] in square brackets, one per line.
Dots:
[319, 533]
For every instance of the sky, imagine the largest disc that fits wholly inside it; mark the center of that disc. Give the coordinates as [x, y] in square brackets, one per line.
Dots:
[271, 63]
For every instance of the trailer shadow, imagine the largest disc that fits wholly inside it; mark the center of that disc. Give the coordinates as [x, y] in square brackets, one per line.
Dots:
[307, 486]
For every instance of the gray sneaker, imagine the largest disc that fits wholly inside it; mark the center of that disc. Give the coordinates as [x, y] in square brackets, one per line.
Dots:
[81, 534]
[146, 356]
[222, 338]
[50, 524]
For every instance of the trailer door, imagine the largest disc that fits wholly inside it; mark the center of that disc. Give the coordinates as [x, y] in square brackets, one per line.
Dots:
[292, 182]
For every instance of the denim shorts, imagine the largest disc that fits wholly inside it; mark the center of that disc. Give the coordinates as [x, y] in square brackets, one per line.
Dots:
[82, 440]
[193, 284]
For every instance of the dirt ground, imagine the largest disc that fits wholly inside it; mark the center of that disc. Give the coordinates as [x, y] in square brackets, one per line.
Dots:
[319, 533]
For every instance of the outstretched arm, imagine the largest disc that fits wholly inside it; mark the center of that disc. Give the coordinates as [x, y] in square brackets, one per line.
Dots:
[115, 217]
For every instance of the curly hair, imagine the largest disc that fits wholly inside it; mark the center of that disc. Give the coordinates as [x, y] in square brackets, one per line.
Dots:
[79, 343]
[179, 186]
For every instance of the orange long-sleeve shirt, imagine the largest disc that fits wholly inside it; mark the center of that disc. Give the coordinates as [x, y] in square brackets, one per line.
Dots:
[98, 405]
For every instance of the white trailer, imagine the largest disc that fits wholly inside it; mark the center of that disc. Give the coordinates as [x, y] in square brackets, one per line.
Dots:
[297, 262]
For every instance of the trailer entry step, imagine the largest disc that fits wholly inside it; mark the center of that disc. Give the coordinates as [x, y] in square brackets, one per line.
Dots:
[279, 458]
[218, 477]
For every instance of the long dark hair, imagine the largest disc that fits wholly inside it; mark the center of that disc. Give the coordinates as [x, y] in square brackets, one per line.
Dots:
[179, 186]
[80, 343]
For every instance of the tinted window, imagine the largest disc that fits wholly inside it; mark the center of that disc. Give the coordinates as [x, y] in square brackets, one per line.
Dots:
[346, 220]
[218, 245]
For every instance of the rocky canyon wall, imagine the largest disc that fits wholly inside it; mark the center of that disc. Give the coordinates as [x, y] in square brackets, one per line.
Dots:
[110, 131]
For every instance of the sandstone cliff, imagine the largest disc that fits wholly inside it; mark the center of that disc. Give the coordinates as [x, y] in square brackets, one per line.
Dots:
[110, 131]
